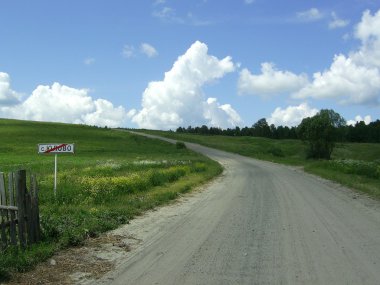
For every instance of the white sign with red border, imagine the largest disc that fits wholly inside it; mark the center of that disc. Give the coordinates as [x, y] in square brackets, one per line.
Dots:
[46, 148]
[55, 148]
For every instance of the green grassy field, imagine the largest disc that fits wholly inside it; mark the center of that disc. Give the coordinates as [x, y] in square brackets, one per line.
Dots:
[356, 165]
[112, 177]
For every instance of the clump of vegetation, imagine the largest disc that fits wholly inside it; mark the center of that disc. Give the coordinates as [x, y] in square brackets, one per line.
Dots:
[180, 145]
[350, 166]
[321, 133]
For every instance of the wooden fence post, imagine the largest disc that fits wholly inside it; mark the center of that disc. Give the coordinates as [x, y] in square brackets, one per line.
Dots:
[20, 221]
[12, 223]
[28, 220]
[4, 213]
[35, 208]
[20, 179]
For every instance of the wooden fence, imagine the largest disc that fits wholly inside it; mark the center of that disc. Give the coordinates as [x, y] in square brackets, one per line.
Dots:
[19, 212]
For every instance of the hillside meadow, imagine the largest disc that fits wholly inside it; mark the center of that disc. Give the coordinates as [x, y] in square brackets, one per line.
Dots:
[112, 177]
[356, 165]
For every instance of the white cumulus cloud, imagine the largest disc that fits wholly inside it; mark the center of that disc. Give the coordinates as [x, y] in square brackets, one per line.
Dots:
[7, 95]
[60, 103]
[148, 50]
[367, 119]
[346, 81]
[353, 78]
[105, 114]
[271, 81]
[220, 115]
[368, 32]
[178, 99]
[292, 115]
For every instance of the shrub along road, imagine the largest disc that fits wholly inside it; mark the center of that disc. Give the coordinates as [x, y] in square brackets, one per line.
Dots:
[261, 223]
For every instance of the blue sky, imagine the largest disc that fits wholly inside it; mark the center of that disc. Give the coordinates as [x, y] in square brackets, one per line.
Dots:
[164, 63]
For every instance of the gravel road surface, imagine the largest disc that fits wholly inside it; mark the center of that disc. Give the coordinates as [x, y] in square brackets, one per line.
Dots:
[259, 223]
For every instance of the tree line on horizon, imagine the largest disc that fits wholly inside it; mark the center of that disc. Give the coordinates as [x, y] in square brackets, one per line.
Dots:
[320, 132]
[360, 132]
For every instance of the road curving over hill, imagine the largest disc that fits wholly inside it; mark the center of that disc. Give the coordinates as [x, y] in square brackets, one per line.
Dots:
[259, 223]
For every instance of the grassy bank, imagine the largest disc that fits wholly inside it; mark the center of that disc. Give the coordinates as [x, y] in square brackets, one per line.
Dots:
[112, 177]
[356, 165]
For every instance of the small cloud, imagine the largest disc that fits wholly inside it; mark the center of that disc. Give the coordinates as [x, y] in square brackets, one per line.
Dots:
[164, 13]
[249, 1]
[270, 82]
[148, 50]
[159, 2]
[194, 21]
[89, 61]
[310, 15]
[128, 51]
[367, 119]
[292, 115]
[346, 37]
[336, 22]
[168, 14]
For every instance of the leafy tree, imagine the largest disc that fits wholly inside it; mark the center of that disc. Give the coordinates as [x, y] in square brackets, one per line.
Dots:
[273, 131]
[237, 131]
[203, 130]
[246, 131]
[321, 132]
[261, 128]
[180, 130]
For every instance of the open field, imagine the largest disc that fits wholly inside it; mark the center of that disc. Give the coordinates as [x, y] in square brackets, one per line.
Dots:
[112, 177]
[356, 165]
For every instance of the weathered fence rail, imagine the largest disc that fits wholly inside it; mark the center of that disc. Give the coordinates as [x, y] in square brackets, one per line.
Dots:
[19, 212]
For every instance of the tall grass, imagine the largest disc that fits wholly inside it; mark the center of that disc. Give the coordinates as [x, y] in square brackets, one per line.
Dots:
[358, 167]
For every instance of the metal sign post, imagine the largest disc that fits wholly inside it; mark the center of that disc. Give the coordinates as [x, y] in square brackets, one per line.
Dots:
[55, 174]
[55, 148]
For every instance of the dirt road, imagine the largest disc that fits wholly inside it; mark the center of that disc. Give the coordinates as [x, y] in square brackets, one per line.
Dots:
[260, 223]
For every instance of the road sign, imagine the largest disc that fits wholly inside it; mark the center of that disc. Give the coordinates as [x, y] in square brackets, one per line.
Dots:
[45, 148]
[55, 148]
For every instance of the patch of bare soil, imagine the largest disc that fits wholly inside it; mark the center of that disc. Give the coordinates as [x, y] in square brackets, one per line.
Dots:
[79, 265]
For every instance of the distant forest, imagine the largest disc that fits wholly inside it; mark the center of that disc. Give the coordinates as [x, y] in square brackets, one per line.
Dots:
[360, 132]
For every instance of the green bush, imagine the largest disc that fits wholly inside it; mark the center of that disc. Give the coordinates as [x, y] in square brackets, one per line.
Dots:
[320, 132]
[180, 145]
